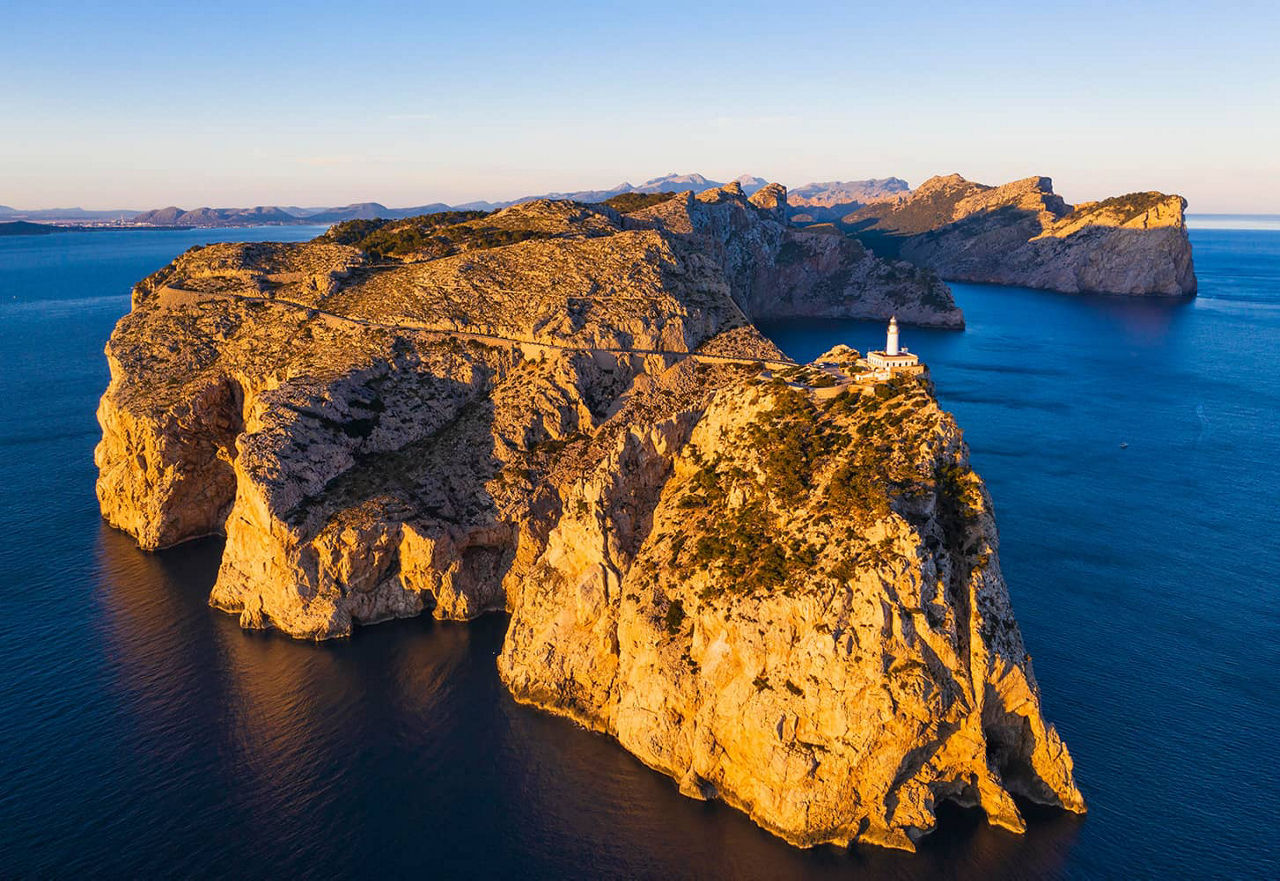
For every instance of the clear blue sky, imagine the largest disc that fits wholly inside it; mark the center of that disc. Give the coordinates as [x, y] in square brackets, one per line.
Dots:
[119, 104]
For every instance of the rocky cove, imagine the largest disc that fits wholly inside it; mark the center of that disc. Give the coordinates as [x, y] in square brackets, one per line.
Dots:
[788, 601]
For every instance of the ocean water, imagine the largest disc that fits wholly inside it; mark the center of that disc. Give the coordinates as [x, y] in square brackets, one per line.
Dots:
[1234, 221]
[1133, 452]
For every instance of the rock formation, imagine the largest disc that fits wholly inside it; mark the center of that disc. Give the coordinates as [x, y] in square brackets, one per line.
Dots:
[780, 593]
[1023, 234]
[794, 606]
[776, 271]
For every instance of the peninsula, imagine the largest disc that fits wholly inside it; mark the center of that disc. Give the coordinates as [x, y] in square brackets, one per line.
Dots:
[776, 583]
[1024, 234]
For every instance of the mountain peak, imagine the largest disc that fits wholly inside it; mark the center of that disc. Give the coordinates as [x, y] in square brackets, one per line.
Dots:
[693, 180]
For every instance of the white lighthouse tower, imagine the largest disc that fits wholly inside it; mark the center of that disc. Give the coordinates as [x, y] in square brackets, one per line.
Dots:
[895, 358]
[891, 342]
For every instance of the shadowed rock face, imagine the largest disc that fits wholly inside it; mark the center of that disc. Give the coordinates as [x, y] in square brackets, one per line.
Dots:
[1023, 234]
[784, 598]
[776, 271]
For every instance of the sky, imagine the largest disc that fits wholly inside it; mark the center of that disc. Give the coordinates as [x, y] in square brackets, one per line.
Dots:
[140, 105]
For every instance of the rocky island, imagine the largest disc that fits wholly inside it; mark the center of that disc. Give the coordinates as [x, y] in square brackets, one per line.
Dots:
[777, 583]
[1024, 234]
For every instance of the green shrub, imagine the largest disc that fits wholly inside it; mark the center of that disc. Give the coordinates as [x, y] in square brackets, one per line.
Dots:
[432, 236]
[352, 232]
[625, 203]
[675, 616]
[677, 545]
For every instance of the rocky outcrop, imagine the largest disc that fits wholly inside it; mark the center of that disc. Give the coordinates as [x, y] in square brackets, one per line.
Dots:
[1023, 234]
[777, 271]
[812, 598]
[778, 592]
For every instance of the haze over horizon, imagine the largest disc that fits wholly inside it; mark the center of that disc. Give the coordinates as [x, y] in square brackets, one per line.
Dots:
[135, 106]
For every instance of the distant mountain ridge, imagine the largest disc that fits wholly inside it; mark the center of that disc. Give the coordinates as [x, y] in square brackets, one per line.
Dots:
[832, 200]
[814, 201]
[271, 215]
[49, 215]
[667, 183]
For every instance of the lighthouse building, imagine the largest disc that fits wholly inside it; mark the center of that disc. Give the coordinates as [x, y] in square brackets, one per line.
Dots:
[894, 358]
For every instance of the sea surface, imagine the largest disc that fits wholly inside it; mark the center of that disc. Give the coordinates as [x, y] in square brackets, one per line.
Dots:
[1133, 452]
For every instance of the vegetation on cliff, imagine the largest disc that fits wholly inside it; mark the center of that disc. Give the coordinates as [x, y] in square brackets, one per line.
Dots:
[584, 428]
[428, 237]
[625, 203]
[1121, 210]
[814, 460]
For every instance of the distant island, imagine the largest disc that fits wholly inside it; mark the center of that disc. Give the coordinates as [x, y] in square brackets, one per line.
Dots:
[777, 583]
[23, 228]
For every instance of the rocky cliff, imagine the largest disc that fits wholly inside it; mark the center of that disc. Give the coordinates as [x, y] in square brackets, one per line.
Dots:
[1023, 234]
[777, 271]
[792, 604]
[781, 592]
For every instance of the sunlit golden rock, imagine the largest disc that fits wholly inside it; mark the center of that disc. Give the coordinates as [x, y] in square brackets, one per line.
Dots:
[778, 587]
[1022, 233]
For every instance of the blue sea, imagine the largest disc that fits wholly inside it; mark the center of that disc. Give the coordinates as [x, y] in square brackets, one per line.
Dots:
[1133, 452]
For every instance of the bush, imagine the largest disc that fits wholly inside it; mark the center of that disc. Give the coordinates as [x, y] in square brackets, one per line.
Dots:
[625, 203]
[675, 616]
[957, 512]
[432, 236]
[352, 232]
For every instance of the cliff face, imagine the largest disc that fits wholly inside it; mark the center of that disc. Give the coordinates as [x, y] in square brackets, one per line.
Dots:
[793, 605]
[1023, 234]
[776, 271]
[780, 596]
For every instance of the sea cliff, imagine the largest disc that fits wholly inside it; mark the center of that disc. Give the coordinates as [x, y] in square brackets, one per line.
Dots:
[782, 593]
[1022, 233]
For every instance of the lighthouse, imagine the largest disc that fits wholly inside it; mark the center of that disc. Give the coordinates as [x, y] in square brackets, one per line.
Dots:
[895, 358]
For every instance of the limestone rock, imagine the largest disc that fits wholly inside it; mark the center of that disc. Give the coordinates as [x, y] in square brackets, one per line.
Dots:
[1024, 234]
[788, 600]
[776, 271]
[799, 613]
